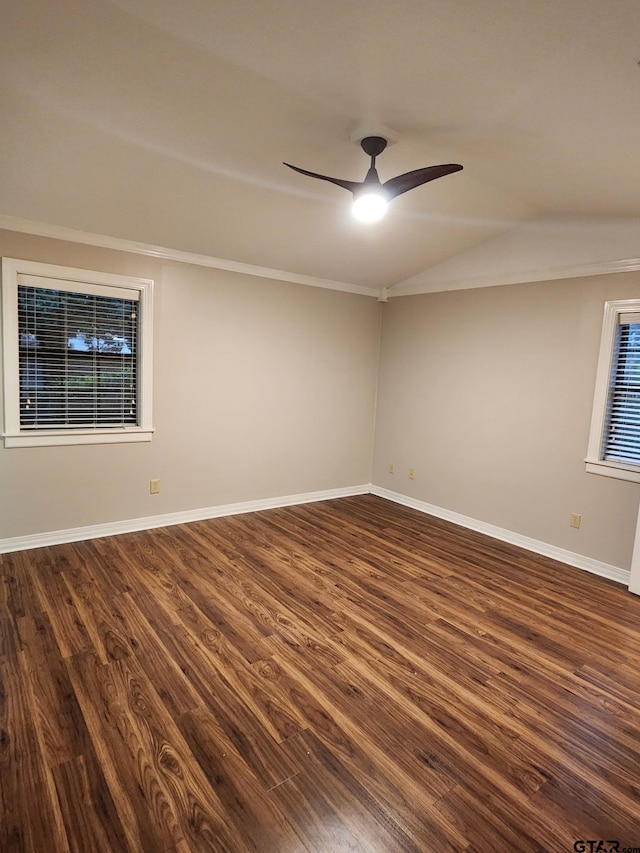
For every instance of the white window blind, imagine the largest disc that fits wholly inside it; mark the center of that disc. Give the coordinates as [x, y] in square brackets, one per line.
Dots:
[621, 435]
[78, 357]
[614, 437]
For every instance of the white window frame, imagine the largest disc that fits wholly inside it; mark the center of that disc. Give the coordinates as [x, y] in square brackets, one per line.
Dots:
[81, 281]
[595, 464]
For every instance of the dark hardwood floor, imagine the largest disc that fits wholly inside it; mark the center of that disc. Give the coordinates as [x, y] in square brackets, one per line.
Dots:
[341, 676]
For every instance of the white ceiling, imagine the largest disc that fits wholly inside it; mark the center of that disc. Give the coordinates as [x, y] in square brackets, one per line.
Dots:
[167, 122]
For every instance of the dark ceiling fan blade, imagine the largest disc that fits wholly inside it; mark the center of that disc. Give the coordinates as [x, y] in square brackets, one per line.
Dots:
[403, 183]
[352, 186]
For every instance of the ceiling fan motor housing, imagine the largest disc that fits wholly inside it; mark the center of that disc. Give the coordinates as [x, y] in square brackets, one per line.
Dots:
[373, 145]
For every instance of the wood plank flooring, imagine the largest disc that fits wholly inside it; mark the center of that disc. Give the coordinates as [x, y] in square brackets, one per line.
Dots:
[341, 676]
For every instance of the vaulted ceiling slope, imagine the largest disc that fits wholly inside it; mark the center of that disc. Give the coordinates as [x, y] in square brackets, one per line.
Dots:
[167, 123]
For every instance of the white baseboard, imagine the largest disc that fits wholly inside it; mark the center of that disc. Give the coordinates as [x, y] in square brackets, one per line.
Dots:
[76, 534]
[95, 531]
[563, 556]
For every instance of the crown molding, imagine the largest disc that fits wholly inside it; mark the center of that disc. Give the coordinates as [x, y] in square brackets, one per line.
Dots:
[71, 235]
[402, 288]
[407, 288]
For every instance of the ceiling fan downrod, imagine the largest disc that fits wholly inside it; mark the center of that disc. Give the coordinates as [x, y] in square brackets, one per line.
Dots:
[373, 146]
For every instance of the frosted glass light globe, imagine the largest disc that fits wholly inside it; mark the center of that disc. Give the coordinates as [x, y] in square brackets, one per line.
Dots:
[369, 206]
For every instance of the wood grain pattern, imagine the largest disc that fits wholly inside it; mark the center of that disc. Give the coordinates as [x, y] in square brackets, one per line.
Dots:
[343, 676]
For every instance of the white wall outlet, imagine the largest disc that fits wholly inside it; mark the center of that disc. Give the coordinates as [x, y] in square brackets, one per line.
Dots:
[412, 473]
[575, 519]
[154, 487]
[392, 468]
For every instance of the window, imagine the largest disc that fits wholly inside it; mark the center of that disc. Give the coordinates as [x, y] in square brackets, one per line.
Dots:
[614, 442]
[77, 355]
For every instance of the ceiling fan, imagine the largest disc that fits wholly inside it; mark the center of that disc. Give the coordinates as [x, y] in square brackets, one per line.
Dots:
[371, 196]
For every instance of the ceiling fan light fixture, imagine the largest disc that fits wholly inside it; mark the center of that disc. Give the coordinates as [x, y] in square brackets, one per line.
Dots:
[370, 205]
[370, 197]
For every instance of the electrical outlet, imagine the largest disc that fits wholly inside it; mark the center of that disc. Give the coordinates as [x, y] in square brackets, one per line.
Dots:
[412, 473]
[392, 468]
[575, 519]
[154, 487]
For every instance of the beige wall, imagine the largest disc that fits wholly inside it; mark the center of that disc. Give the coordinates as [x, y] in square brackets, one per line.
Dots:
[487, 393]
[265, 389]
[261, 389]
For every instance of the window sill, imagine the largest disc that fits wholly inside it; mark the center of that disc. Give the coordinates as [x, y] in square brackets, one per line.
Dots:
[613, 469]
[50, 438]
